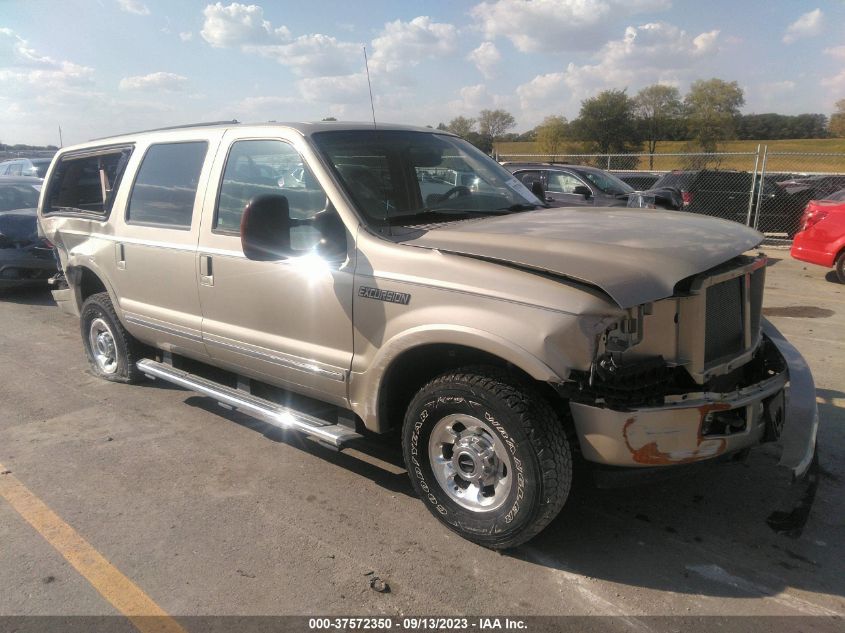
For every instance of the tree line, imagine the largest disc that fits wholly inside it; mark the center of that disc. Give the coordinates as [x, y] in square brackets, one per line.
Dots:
[613, 122]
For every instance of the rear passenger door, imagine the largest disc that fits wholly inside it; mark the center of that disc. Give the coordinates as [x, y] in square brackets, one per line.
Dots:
[155, 256]
[286, 322]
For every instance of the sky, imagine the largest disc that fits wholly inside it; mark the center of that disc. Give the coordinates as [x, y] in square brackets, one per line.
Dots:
[103, 67]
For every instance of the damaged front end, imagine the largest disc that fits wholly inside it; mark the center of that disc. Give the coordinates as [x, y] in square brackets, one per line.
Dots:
[696, 376]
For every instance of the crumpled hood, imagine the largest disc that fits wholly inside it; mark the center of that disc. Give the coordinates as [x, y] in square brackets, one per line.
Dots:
[19, 226]
[634, 255]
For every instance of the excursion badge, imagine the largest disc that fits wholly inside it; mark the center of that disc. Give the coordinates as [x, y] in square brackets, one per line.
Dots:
[390, 296]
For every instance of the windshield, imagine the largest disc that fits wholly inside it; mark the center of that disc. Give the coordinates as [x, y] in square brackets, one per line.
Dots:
[608, 183]
[400, 178]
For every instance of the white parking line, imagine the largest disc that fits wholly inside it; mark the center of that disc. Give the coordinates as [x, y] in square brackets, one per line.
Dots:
[717, 574]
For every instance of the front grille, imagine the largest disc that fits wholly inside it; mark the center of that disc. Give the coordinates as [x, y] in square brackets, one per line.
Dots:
[724, 331]
[758, 281]
[733, 310]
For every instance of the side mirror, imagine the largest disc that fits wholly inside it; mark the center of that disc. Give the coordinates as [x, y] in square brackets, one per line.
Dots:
[265, 228]
[582, 190]
[537, 190]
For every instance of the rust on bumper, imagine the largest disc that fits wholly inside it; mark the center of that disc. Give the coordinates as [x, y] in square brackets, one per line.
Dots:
[673, 434]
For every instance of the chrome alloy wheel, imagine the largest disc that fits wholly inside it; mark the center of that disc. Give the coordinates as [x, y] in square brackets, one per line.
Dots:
[470, 462]
[103, 347]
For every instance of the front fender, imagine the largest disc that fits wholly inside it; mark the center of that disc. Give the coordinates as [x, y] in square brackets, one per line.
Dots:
[365, 388]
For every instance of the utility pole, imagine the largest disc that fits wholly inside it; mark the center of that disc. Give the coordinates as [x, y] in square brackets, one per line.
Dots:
[61, 144]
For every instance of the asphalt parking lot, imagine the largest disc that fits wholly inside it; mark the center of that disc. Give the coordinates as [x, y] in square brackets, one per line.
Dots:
[210, 513]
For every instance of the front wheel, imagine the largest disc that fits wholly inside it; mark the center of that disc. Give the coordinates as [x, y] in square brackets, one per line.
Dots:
[840, 267]
[488, 455]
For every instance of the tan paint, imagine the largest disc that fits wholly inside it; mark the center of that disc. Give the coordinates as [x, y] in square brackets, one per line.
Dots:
[304, 326]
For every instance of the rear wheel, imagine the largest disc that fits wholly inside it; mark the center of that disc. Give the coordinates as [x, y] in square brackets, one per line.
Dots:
[110, 349]
[488, 455]
[840, 267]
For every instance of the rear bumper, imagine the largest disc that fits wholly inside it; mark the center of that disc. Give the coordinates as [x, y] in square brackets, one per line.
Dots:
[23, 267]
[672, 434]
[812, 251]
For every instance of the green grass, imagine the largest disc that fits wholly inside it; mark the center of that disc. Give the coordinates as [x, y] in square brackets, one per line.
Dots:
[774, 163]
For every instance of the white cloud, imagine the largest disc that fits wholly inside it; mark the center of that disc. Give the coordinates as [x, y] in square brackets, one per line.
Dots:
[807, 25]
[402, 44]
[310, 55]
[336, 89]
[239, 24]
[21, 65]
[154, 82]
[657, 52]
[186, 36]
[473, 99]
[485, 58]
[835, 84]
[556, 25]
[134, 6]
[244, 26]
[837, 52]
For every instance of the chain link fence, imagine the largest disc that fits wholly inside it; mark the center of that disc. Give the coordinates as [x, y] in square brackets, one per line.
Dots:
[764, 189]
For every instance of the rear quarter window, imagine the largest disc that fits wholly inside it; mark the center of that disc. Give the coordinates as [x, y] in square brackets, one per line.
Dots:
[166, 185]
[86, 182]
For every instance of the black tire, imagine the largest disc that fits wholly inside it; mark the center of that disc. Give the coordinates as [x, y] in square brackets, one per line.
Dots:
[98, 314]
[531, 436]
[840, 267]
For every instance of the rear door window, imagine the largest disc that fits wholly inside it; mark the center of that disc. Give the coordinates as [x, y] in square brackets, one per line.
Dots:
[166, 185]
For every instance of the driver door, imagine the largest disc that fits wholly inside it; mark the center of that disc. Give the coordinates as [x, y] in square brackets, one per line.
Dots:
[286, 322]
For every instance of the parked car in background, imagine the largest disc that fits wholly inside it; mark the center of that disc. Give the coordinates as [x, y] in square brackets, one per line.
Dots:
[639, 180]
[726, 194]
[821, 239]
[817, 187]
[581, 186]
[25, 258]
[35, 167]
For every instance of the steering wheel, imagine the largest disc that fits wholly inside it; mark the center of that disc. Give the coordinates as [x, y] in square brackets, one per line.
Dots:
[455, 192]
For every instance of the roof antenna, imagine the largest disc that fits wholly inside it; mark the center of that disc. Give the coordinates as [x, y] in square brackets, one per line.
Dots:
[372, 105]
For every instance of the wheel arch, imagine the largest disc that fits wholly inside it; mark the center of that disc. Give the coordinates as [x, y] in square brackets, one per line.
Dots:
[404, 367]
[86, 280]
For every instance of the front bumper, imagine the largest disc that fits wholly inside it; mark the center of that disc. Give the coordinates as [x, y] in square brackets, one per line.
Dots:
[672, 434]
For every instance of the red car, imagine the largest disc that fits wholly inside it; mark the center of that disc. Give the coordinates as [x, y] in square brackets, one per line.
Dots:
[821, 239]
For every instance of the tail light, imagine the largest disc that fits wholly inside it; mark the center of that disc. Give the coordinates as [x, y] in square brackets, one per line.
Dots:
[812, 216]
[686, 196]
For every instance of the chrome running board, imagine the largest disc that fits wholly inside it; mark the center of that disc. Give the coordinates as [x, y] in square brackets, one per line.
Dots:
[272, 413]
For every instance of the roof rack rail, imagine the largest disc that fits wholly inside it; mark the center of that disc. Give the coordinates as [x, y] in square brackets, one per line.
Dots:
[171, 127]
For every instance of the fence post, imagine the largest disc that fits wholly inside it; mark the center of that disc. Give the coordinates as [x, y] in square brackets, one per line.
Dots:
[753, 182]
[760, 191]
[608, 162]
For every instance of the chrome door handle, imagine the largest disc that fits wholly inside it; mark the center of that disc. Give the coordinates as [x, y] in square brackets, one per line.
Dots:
[120, 256]
[206, 271]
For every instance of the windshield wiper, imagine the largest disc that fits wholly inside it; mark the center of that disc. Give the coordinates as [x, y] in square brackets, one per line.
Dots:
[444, 215]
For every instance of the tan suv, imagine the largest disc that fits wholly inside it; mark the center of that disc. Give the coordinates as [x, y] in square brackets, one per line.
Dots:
[501, 339]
